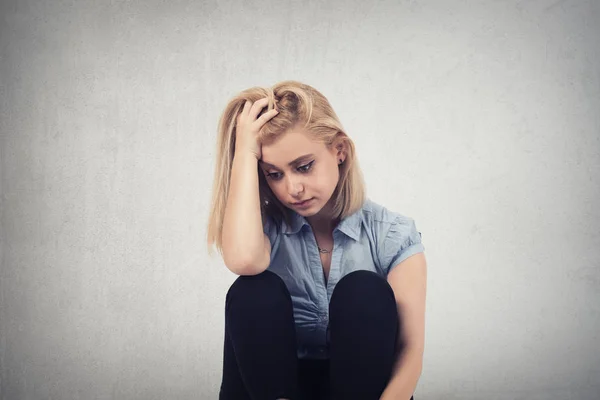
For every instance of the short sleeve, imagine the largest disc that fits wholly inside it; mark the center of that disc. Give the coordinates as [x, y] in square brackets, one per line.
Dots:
[401, 241]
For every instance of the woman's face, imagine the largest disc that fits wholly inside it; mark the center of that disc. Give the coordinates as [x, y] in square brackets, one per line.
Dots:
[299, 169]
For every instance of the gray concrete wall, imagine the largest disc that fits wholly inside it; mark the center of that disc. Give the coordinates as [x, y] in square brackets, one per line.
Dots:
[480, 119]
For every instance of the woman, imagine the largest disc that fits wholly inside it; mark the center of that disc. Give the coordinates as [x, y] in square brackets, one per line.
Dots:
[330, 301]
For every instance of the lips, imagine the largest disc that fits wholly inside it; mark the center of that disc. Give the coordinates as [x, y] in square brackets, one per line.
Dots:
[301, 202]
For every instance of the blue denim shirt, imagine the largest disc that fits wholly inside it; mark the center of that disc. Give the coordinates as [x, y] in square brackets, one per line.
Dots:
[373, 238]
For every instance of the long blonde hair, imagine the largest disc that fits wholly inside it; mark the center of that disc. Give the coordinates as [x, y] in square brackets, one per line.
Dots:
[300, 106]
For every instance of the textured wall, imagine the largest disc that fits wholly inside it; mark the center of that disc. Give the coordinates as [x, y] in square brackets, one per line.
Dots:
[479, 119]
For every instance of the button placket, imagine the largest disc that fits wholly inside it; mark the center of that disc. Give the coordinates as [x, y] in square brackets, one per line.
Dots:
[317, 272]
[334, 269]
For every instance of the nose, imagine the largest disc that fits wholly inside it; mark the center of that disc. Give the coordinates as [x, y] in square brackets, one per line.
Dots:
[294, 186]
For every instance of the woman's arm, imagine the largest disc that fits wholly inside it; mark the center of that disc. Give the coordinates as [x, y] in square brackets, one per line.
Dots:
[409, 283]
[246, 249]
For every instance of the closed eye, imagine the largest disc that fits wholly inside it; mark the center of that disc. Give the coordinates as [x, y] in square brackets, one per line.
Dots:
[302, 169]
[307, 167]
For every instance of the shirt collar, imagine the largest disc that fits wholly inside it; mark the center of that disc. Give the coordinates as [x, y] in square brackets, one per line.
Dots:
[350, 225]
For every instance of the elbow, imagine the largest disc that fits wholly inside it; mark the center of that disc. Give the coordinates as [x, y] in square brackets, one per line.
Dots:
[246, 267]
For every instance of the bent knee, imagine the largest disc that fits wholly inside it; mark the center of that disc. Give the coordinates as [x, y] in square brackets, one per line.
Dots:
[266, 289]
[363, 289]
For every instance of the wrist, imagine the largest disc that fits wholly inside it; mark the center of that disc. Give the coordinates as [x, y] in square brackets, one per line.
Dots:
[243, 154]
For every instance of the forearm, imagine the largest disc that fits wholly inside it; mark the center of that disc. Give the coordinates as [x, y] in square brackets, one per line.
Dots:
[405, 376]
[242, 224]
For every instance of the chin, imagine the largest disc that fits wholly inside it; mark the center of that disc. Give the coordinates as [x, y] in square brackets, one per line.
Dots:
[308, 212]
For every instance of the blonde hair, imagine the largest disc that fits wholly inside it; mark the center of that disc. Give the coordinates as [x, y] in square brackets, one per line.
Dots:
[300, 106]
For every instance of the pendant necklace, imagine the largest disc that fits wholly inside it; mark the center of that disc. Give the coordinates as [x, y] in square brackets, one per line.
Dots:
[323, 250]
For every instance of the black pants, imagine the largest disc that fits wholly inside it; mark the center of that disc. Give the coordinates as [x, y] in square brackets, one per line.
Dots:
[260, 361]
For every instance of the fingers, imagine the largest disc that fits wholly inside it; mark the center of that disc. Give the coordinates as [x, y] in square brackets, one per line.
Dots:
[244, 112]
[257, 107]
[247, 106]
[251, 111]
[267, 116]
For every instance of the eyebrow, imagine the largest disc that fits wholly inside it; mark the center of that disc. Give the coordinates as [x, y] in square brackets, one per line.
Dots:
[290, 163]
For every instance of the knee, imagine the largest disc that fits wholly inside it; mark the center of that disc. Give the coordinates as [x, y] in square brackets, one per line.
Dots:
[364, 283]
[262, 291]
[363, 290]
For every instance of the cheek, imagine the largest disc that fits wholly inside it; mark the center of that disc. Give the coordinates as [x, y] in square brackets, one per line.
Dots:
[276, 188]
[333, 176]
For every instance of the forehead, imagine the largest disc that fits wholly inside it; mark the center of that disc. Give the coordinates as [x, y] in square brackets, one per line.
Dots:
[290, 146]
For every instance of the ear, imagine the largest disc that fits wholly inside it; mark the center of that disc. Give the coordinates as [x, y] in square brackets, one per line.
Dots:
[340, 147]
